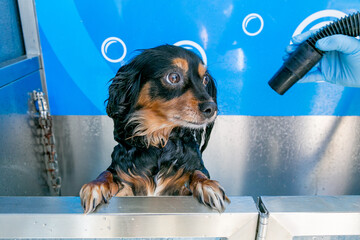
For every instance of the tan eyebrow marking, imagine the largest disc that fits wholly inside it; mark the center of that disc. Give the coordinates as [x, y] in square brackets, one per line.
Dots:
[181, 63]
[201, 70]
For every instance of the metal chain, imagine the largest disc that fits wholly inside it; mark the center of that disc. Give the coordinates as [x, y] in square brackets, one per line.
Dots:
[48, 141]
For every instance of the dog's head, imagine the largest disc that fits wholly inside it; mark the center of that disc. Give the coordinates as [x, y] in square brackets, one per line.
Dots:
[162, 88]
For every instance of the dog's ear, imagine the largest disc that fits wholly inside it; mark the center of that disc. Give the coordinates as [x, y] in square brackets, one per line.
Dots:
[123, 91]
[211, 89]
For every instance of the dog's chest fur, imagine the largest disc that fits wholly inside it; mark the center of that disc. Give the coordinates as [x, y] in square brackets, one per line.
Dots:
[161, 171]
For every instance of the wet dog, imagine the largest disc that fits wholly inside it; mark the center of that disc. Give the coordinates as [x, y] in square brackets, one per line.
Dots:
[163, 104]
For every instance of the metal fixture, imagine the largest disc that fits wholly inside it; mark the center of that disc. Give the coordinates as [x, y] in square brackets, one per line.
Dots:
[45, 124]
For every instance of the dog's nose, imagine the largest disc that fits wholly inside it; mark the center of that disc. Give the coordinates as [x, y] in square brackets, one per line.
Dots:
[208, 109]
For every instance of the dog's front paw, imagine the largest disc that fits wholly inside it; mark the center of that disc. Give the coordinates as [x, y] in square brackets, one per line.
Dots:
[210, 193]
[93, 194]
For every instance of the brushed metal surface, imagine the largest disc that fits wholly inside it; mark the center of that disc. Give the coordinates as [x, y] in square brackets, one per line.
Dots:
[308, 155]
[62, 217]
[253, 156]
[313, 216]
[22, 170]
[327, 238]
[84, 146]
[319, 204]
[30, 30]
[30, 27]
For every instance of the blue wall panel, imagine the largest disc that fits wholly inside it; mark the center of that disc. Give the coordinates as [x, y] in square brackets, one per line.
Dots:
[85, 42]
[15, 97]
[11, 39]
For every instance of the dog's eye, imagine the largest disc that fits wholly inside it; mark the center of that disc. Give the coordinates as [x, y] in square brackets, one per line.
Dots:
[206, 80]
[173, 78]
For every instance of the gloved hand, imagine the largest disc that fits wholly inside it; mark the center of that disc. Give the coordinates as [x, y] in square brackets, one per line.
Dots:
[339, 65]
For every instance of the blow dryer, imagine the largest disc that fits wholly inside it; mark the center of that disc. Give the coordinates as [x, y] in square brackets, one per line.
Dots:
[306, 56]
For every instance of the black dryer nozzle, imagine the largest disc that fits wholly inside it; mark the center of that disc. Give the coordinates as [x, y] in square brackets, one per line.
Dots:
[306, 56]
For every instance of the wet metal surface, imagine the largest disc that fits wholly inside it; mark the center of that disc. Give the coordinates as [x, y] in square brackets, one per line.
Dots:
[62, 217]
[22, 171]
[319, 217]
[310, 155]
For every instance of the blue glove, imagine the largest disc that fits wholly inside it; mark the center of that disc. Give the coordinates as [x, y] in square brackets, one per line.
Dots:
[339, 65]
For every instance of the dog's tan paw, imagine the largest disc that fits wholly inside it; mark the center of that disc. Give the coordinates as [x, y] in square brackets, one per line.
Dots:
[93, 194]
[211, 194]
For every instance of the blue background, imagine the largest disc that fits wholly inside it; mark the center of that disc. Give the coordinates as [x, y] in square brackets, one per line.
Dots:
[72, 33]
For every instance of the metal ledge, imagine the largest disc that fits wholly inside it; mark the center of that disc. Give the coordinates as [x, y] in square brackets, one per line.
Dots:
[126, 217]
[312, 217]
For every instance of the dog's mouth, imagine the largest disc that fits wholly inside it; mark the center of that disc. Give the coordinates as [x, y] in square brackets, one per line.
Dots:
[192, 124]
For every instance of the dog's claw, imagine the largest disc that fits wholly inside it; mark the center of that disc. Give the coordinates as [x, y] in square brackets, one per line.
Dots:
[211, 194]
[104, 199]
[93, 194]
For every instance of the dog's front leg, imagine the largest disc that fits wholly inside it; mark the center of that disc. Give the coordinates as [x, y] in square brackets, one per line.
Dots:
[208, 191]
[98, 191]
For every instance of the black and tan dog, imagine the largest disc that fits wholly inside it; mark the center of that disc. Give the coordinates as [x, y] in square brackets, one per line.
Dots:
[163, 104]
